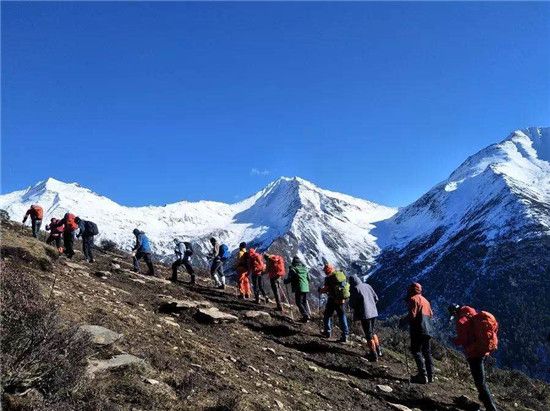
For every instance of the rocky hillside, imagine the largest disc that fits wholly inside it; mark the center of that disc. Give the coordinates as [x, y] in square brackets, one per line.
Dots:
[124, 341]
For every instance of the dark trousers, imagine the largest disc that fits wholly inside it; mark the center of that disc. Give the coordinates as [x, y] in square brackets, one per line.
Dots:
[330, 308]
[68, 243]
[368, 328]
[258, 286]
[147, 258]
[35, 225]
[477, 367]
[87, 247]
[216, 271]
[54, 239]
[421, 350]
[185, 262]
[301, 303]
[276, 288]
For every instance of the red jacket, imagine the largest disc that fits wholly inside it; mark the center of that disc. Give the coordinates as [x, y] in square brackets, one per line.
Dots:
[420, 312]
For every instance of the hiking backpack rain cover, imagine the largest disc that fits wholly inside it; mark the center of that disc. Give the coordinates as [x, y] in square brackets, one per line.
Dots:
[276, 266]
[485, 327]
[255, 262]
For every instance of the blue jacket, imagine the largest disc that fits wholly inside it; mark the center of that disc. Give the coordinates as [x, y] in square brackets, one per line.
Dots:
[142, 243]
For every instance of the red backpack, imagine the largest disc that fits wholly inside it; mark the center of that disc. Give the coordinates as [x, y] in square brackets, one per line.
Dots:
[276, 266]
[256, 262]
[69, 221]
[37, 212]
[485, 328]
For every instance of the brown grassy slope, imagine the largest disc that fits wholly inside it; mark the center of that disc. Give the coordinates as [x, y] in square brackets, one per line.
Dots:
[257, 364]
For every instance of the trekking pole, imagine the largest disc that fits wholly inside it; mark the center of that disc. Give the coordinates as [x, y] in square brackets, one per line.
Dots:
[405, 352]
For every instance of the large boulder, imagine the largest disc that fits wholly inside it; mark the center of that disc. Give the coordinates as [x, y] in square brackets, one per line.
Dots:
[214, 315]
[118, 361]
[172, 305]
[100, 335]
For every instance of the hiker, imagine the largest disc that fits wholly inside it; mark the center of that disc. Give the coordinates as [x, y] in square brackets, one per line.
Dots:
[36, 213]
[256, 267]
[336, 287]
[275, 268]
[183, 252]
[241, 267]
[88, 230]
[69, 227]
[363, 301]
[55, 234]
[476, 332]
[420, 318]
[219, 254]
[298, 277]
[142, 249]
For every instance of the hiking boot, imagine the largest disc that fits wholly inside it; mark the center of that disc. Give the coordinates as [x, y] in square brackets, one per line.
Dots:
[419, 379]
[174, 279]
[247, 296]
[379, 351]
[371, 356]
[241, 297]
[325, 334]
[280, 309]
[430, 379]
[304, 320]
[344, 339]
[267, 301]
[257, 300]
[221, 287]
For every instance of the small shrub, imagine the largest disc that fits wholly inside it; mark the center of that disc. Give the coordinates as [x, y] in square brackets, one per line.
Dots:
[4, 215]
[108, 246]
[38, 350]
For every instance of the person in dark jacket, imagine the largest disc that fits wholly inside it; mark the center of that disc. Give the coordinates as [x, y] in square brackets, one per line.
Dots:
[216, 269]
[420, 317]
[298, 278]
[334, 281]
[69, 227]
[465, 337]
[142, 249]
[87, 238]
[56, 233]
[36, 213]
[363, 301]
[183, 252]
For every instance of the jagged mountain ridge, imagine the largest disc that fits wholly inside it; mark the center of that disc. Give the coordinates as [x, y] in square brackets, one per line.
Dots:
[481, 237]
[311, 222]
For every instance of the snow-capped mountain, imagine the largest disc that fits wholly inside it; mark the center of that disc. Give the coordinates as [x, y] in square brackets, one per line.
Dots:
[481, 237]
[309, 221]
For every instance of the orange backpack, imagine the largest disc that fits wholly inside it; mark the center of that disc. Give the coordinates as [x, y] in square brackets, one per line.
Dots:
[69, 221]
[256, 262]
[37, 212]
[485, 327]
[276, 266]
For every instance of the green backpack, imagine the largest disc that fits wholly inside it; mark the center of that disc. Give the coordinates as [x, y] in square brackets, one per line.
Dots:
[342, 289]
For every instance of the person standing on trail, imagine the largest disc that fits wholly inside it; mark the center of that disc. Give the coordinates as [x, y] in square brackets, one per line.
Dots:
[55, 234]
[88, 230]
[363, 301]
[69, 227]
[420, 317]
[142, 249]
[183, 251]
[337, 289]
[36, 213]
[298, 278]
[477, 334]
[256, 266]
[275, 267]
[219, 254]
[241, 267]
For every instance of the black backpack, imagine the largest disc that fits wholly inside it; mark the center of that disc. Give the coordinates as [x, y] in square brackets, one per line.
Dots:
[91, 228]
[188, 249]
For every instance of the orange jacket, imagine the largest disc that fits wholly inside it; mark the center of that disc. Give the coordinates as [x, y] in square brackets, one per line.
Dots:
[420, 312]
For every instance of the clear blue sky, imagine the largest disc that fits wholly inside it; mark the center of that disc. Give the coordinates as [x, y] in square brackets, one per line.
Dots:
[150, 103]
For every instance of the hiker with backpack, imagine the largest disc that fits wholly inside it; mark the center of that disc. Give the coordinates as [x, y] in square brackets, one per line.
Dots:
[36, 214]
[275, 268]
[241, 267]
[88, 229]
[298, 278]
[142, 249]
[183, 251]
[56, 233]
[363, 301]
[256, 267]
[336, 287]
[420, 318]
[69, 227]
[477, 333]
[219, 254]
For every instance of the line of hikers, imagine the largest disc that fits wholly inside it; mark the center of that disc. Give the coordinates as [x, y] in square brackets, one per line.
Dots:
[476, 331]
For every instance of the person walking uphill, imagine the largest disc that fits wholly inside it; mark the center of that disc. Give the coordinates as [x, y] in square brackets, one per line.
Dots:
[275, 268]
[88, 230]
[337, 289]
[55, 234]
[69, 227]
[220, 254]
[363, 301]
[183, 252]
[36, 213]
[477, 334]
[256, 266]
[241, 267]
[420, 319]
[298, 277]
[142, 249]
